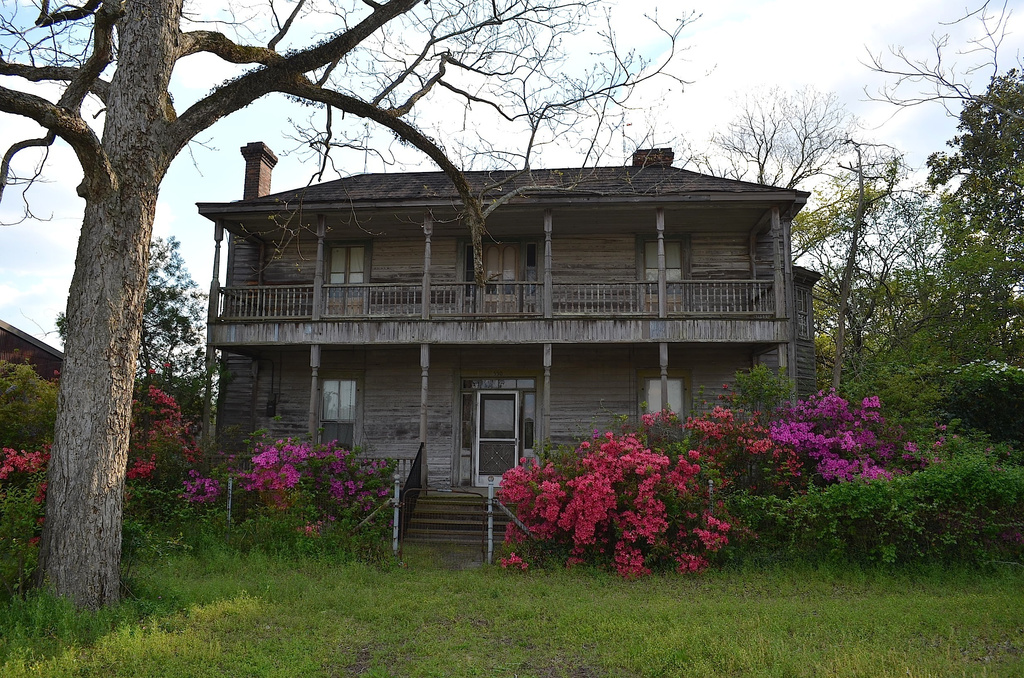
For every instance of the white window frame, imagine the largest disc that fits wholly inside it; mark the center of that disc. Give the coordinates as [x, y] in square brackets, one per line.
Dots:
[345, 275]
[651, 379]
[352, 417]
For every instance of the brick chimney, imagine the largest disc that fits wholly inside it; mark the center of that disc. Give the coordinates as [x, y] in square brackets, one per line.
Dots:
[259, 163]
[653, 157]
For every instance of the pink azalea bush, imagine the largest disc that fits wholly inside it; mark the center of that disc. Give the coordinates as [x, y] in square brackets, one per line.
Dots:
[22, 500]
[616, 503]
[640, 500]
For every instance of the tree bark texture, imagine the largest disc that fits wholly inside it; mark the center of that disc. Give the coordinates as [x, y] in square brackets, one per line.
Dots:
[81, 545]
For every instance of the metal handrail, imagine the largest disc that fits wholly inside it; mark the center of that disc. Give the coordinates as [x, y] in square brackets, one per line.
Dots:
[410, 493]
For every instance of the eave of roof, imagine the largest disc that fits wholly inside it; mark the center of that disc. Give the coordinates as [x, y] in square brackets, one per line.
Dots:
[32, 340]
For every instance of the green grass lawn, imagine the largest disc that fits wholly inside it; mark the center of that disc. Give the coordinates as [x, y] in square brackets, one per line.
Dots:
[251, 615]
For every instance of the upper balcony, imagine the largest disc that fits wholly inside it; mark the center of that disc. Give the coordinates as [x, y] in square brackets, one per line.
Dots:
[641, 253]
[705, 298]
[742, 311]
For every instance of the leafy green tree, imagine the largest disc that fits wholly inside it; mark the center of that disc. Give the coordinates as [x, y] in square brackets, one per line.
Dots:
[171, 351]
[982, 222]
[28, 407]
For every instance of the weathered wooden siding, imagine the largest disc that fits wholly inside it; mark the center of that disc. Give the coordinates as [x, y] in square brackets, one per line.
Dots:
[293, 263]
[398, 260]
[719, 256]
[590, 387]
[606, 259]
[243, 261]
[235, 402]
[806, 365]
[444, 261]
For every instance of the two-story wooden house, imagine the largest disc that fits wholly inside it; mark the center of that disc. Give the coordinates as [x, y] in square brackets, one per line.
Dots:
[350, 310]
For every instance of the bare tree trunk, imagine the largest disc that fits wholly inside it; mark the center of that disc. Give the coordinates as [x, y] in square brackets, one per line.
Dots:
[82, 534]
[81, 545]
[851, 262]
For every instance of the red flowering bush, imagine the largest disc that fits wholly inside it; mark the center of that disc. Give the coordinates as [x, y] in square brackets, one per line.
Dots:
[22, 501]
[162, 450]
[745, 455]
[616, 503]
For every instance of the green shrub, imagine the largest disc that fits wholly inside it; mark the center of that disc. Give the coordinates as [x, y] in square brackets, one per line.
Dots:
[28, 407]
[967, 509]
[988, 398]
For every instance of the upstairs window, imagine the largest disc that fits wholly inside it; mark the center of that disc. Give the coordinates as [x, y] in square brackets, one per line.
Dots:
[804, 314]
[347, 265]
[673, 260]
[502, 262]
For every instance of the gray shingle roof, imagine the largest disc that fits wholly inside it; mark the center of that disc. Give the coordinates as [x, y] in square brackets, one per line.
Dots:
[651, 181]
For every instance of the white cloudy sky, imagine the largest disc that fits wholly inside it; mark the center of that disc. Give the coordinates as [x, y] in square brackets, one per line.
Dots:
[734, 47]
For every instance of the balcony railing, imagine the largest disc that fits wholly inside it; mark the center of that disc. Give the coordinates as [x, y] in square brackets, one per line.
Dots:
[385, 300]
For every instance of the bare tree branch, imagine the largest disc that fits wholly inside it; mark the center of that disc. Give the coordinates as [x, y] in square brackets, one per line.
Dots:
[934, 80]
[5, 164]
[287, 25]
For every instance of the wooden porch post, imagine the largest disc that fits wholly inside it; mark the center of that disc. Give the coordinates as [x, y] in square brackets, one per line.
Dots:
[779, 283]
[428, 230]
[314, 391]
[546, 398]
[548, 301]
[424, 374]
[662, 276]
[211, 315]
[318, 271]
[663, 360]
[787, 254]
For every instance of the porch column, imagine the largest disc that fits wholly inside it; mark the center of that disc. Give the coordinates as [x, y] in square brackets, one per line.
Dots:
[314, 390]
[779, 283]
[548, 301]
[428, 230]
[662, 279]
[211, 315]
[546, 397]
[318, 271]
[424, 374]
[790, 289]
[663, 360]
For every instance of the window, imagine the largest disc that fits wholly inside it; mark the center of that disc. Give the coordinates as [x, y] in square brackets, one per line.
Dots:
[652, 394]
[502, 262]
[673, 260]
[338, 411]
[347, 265]
[804, 314]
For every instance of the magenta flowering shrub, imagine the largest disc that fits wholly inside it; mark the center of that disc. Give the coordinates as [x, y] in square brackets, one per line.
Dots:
[322, 483]
[200, 490]
[615, 503]
[842, 442]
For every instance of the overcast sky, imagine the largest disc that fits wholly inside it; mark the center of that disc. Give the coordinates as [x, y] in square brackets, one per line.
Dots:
[734, 47]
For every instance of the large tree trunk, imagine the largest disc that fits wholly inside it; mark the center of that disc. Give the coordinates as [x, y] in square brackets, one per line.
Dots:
[81, 546]
[82, 534]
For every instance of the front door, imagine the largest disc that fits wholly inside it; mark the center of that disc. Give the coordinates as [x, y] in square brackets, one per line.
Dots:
[497, 443]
